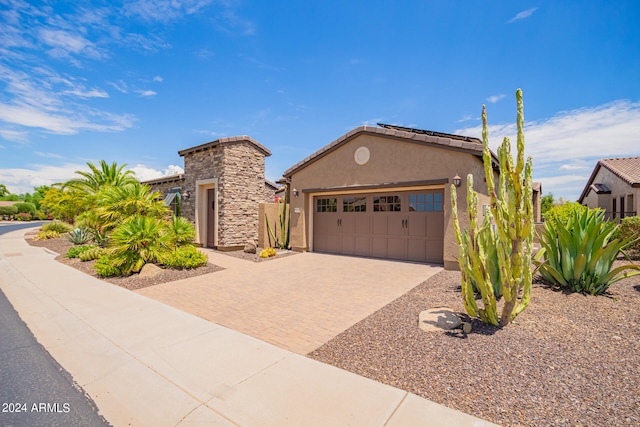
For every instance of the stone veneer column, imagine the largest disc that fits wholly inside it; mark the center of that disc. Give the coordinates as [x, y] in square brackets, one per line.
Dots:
[238, 203]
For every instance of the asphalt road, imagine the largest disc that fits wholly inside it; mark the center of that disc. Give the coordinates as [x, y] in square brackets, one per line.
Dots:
[34, 389]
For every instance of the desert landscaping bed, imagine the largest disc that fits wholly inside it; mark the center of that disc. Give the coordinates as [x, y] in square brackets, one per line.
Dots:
[62, 245]
[570, 360]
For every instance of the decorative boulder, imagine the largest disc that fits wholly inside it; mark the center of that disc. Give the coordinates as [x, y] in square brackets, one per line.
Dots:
[150, 270]
[250, 248]
[440, 318]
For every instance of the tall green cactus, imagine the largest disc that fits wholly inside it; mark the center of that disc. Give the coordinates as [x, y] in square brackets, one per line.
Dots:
[510, 245]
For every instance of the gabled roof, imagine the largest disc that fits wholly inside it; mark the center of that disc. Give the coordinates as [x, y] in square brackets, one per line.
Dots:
[625, 168]
[227, 141]
[419, 136]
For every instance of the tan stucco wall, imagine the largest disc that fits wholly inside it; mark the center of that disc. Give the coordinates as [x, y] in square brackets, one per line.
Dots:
[390, 161]
[618, 188]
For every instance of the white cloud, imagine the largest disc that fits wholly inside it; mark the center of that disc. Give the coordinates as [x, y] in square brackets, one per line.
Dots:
[14, 135]
[63, 122]
[145, 93]
[573, 140]
[21, 180]
[162, 10]
[144, 173]
[495, 98]
[50, 155]
[158, 79]
[522, 15]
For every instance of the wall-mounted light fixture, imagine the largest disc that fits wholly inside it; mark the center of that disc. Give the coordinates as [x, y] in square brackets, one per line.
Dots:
[295, 192]
[457, 180]
[186, 194]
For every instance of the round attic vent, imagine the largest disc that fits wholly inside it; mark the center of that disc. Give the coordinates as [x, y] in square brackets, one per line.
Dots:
[362, 155]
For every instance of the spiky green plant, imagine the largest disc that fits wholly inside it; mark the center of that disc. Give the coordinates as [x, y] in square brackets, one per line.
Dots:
[117, 204]
[91, 254]
[511, 209]
[79, 236]
[180, 231]
[76, 251]
[284, 226]
[579, 254]
[137, 241]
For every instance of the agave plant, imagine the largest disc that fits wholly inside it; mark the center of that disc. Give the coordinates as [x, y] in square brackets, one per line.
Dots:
[579, 254]
[79, 236]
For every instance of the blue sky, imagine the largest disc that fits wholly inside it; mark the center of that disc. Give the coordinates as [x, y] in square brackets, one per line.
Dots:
[136, 81]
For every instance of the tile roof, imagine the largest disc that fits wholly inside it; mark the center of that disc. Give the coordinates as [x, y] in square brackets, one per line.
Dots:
[227, 141]
[444, 140]
[626, 168]
[164, 179]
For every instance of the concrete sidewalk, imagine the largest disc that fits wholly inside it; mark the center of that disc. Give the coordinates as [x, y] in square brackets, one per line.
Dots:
[147, 364]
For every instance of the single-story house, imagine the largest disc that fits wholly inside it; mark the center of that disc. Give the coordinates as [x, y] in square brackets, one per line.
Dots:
[614, 185]
[384, 191]
[380, 191]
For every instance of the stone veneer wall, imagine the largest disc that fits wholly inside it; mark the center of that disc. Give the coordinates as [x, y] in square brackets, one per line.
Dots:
[199, 165]
[240, 194]
[164, 186]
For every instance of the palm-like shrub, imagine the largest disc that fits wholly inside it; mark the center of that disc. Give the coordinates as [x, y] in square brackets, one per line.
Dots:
[98, 178]
[180, 231]
[117, 204]
[136, 242]
[579, 254]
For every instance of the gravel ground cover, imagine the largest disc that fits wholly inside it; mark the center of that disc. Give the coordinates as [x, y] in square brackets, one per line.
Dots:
[571, 359]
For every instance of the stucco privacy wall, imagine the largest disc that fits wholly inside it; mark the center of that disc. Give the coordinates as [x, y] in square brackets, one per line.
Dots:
[392, 160]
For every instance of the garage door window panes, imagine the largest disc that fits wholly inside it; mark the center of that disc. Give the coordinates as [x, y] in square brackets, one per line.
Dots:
[387, 204]
[431, 202]
[354, 204]
[327, 205]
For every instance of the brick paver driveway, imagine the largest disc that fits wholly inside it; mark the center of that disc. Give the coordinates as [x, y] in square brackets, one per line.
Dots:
[297, 302]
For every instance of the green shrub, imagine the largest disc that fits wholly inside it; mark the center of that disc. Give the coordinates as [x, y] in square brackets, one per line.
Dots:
[39, 215]
[79, 236]
[58, 226]
[47, 234]
[184, 257]
[562, 213]
[629, 228]
[26, 207]
[578, 255]
[8, 210]
[105, 267]
[76, 251]
[94, 252]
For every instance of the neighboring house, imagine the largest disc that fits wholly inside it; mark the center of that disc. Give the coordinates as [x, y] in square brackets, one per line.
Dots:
[222, 185]
[614, 185]
[385, 192]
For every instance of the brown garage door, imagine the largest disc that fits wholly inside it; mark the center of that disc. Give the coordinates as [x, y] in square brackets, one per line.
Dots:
[395, 225]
